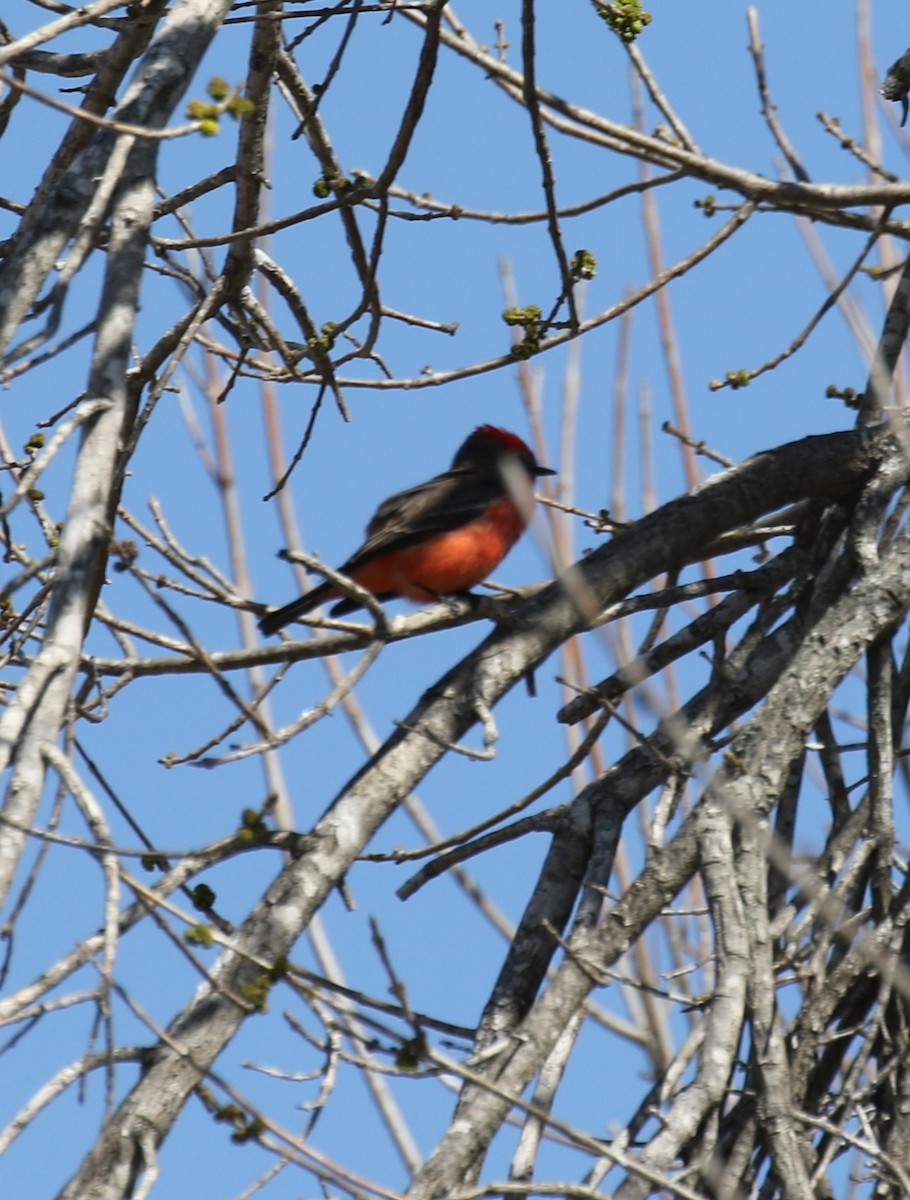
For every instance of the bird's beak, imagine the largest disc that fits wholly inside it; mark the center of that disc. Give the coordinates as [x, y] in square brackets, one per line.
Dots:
[539, 470]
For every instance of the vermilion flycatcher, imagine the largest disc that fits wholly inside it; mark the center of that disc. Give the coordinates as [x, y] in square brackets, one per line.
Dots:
[441, 537]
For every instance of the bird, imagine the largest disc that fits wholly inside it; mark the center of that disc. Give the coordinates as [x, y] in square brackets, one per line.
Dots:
[442, 537]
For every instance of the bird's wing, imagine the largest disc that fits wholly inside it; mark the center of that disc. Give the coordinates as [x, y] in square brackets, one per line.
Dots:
[445, 502]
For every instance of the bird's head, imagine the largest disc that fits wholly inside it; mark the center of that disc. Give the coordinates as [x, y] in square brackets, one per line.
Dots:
[489, 445]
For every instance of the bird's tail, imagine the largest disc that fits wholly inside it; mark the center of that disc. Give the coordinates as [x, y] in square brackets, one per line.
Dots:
[272, 621]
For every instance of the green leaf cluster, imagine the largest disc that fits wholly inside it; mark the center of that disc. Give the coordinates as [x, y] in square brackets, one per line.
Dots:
[626, 18]
[527, 319]
[222, 99]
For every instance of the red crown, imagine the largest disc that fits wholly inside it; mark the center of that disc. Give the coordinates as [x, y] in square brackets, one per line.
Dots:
[508, 441]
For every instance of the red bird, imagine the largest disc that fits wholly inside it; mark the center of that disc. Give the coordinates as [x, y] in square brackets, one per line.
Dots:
[441, 537]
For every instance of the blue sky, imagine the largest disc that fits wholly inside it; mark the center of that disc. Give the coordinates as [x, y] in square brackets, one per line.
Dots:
[473, 149]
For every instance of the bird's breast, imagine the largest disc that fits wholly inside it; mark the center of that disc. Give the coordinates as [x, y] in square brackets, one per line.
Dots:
[449, 562]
